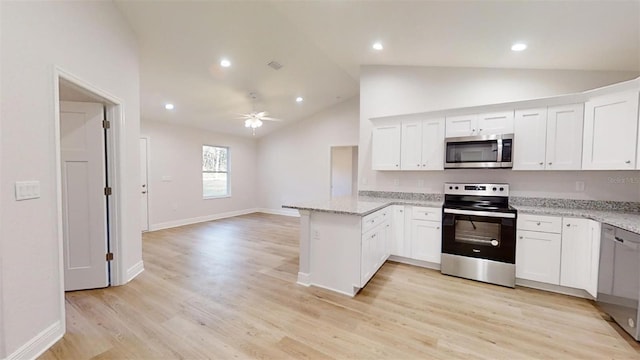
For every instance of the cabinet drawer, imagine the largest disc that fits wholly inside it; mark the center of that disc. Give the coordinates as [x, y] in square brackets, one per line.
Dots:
[372, 220]
[425, 213]
[550, 224]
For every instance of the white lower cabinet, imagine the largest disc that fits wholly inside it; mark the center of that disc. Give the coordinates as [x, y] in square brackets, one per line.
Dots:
[375, 244]
[398, 241]
[538, 248]
[580, 254]
[538, 256]
[558, 251]
[426, 234]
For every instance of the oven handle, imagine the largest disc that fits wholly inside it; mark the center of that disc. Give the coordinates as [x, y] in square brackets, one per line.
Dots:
[499, 158]
[480, 213]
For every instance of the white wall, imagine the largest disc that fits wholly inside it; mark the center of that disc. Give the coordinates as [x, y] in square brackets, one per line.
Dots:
[176, 152]
[294, 162]
[342, 171]
[393, 90]
[92, 41]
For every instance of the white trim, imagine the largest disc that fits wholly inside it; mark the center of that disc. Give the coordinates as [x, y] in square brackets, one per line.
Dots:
[135, 270]
[304, 279]
[414, 262]
[199, 219]
[40, 343]
[553, 288]
[283, 212]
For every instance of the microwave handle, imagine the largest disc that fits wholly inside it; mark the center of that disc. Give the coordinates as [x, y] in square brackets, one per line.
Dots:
[499, 158]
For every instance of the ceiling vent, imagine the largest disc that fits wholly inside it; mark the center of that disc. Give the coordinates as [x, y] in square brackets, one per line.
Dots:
[275, 65]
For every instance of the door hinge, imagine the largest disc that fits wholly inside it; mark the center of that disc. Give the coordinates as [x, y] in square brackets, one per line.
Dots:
[106, 124]
[107, 191]
[109, 256]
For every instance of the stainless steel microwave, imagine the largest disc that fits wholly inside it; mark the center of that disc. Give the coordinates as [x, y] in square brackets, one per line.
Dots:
[482, 151]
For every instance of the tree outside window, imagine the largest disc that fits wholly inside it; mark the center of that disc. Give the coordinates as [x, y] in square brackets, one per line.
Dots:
[215, 171]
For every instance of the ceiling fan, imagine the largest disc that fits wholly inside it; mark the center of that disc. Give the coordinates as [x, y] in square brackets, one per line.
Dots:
[254, 119]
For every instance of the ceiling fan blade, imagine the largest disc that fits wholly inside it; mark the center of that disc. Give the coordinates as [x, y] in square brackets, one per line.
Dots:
[260, 115]
[270, 119]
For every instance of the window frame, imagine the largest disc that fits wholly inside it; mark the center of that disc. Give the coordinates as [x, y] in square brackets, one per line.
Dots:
[228, 172]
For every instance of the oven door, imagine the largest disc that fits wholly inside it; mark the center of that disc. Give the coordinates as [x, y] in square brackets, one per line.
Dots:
[479, 234]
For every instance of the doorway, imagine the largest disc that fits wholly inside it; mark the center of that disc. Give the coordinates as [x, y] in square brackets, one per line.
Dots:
[144, 184]
[106, 141]
[343, 171]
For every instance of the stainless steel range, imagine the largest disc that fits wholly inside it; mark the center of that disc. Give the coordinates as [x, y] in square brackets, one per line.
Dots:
[479, 233]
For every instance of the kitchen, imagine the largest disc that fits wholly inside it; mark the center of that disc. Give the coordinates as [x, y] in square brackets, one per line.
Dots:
[241, 295]
[583, 248]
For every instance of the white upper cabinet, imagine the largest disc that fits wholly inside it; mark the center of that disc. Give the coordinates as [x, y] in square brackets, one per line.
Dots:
[462, 125]
[480, 124]
[423, 145]
[530, 139]
[564, 137]
[495, 123]
[611, 132]
[385, 144]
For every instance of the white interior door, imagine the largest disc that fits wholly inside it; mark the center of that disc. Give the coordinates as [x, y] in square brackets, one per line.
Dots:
[341, 171]
[84, 204]
[144, 187]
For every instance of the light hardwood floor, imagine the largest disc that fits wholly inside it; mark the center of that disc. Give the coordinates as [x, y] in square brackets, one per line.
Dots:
[226, 289]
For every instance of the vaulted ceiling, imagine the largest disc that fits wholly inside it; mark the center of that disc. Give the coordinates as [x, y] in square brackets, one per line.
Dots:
[322, 44]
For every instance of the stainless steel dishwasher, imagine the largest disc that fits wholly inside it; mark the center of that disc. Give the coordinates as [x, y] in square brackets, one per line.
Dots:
[619, 277]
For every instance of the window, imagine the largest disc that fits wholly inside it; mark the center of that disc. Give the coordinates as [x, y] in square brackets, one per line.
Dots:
[215, 171]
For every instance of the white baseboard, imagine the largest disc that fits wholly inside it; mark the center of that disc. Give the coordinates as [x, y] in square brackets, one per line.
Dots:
[199, 219]
[135, 270]
[39, 344]
[304, 279]
[553, 288]
[285, 212]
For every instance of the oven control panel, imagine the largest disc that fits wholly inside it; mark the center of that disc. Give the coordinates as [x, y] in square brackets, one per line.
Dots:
[476, 189]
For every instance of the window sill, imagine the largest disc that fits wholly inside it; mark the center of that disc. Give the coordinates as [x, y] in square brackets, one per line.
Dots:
[215, 197]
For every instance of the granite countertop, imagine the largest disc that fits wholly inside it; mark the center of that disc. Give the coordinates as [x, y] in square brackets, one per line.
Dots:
[625, 215]
[626, 220]
[359, 205]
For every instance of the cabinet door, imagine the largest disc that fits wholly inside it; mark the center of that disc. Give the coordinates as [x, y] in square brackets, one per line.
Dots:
[594, 257]
[383, 244]
[385, 152]
[610, 132]
[397, 239]
[530, 137]
[411, 154]
[564, 137]
[366, 267]
[426, 240]
[575, 262]
[538, 256]
[464, 125]
[495, 123]
[433, 144]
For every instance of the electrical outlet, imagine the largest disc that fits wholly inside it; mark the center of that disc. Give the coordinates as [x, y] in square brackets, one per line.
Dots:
[26, 190]
[579, 185]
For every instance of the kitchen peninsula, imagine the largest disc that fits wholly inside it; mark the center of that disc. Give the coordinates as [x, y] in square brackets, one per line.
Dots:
[344, 241]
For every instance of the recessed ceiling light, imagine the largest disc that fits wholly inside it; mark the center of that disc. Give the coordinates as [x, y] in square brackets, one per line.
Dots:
[169, 106]
[518, 46]
[377, 46]
[225, 63]
[299, 99]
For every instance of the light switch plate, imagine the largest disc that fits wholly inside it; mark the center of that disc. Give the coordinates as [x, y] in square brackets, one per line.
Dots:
[26, 190]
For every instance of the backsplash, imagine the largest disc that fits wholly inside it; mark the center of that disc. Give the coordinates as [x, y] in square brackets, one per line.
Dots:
[602, 205]
[401, 195]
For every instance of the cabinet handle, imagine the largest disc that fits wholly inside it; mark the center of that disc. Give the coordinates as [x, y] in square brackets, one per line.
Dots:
[418, 165]
[549, 163]
[628, 162]
[401, 210]
[479, 129]
[372, 236]
[473, 130]
[521, 237]
[424, 165]
[437, 227]
[568, 225]
[144, 192]
[538, 224]
[541, 162]
[396, 165]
